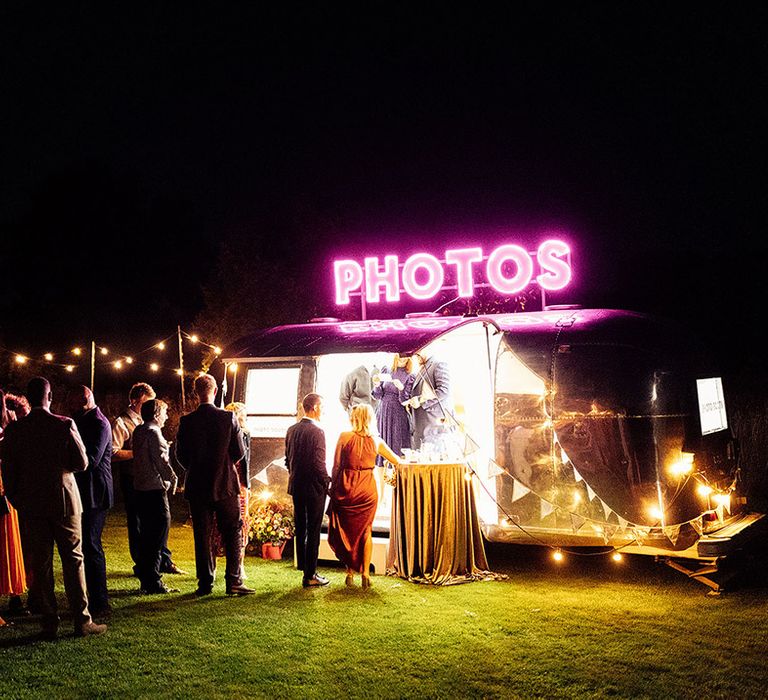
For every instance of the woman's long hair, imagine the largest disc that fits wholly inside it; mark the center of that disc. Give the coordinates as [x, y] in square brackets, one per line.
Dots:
[238, 408]
[362, 418]
[408, 365]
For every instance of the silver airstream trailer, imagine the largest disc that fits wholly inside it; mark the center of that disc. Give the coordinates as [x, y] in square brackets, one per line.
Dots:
[582, 427]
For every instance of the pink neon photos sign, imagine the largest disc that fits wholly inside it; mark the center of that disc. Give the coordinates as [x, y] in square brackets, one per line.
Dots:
[509, 269]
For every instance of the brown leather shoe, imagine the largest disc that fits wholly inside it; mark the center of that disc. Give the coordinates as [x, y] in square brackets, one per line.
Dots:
[173, 569]
[90, 628]
[240, 589]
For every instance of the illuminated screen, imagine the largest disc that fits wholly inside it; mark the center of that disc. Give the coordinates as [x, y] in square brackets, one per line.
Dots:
[270, 400]
[711, 405]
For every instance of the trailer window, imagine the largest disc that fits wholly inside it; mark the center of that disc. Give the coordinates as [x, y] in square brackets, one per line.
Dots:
[270, 400]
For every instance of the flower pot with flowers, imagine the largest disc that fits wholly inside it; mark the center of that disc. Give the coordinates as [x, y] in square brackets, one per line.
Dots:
[272, 524]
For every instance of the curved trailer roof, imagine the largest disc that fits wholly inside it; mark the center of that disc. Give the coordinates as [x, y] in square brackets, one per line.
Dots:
[408, 335]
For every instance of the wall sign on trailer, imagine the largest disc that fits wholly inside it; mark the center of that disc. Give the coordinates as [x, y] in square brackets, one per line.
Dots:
[508, 268]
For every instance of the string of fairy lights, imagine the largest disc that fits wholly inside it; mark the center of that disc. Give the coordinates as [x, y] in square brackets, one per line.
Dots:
[101, 356]
[636, 535]
[98, 356]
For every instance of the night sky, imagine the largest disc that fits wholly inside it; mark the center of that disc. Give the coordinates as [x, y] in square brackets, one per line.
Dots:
[135, 144]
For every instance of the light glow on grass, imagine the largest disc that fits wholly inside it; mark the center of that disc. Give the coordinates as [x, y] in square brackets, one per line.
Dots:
[541, 632]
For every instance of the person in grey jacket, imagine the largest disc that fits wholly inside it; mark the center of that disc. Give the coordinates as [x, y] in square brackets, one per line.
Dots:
[356, 388]
[153, 478]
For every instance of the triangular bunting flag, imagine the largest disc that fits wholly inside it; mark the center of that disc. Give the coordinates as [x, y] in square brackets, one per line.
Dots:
[576, 522]
[606, 509]
[590, 493]
[262, 477]
[494, 469]
[720, 512]
[696, 525]
[622, 523]
[577, 476]
[672, 532]
[566, 459]
[470, 446]
[610, 530]
[518, 490]
[546, 508]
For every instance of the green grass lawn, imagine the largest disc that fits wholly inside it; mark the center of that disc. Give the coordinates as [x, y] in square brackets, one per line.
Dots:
[588, 628]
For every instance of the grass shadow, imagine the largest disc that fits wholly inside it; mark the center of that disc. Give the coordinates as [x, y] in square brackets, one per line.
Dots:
[122, 574]
[171, 601]
[25, 641]
[353, 593]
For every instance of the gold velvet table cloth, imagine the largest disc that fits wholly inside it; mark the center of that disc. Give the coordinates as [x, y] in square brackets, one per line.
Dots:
[435, 532]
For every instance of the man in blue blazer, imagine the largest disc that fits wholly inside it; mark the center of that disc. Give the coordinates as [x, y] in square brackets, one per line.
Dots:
[208, 445]
[96, 493]
[431, 400]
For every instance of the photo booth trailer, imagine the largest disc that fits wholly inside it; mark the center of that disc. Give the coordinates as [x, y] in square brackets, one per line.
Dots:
[579, 427]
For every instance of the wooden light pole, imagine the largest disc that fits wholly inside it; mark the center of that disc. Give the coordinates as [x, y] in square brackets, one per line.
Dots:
[181, 370]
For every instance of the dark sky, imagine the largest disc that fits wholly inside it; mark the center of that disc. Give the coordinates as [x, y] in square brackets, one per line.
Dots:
[133, 144]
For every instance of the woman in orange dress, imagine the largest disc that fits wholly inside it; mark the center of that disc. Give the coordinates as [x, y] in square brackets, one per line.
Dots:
[13, 580]
[354, 496]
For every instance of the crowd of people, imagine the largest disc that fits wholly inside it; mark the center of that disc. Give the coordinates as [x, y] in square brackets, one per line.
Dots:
[56, 487]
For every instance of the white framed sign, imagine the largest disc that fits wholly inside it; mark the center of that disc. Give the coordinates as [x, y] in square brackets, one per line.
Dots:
[711, 405]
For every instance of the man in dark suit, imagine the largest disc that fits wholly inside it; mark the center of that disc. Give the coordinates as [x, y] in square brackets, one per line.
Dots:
[208, 445]
[431, 400]
[40, 454]
[308, 484]
[96, 494]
